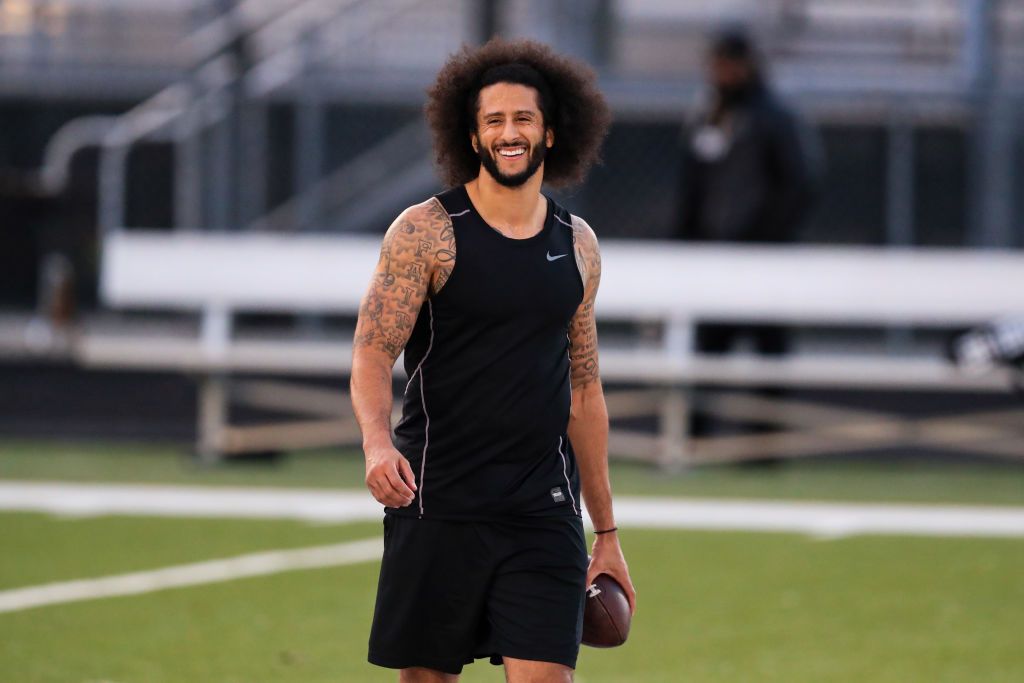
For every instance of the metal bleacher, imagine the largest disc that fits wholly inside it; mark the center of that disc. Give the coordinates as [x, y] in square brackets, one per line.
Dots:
[66, 47]
[866, 61]
[76, 49]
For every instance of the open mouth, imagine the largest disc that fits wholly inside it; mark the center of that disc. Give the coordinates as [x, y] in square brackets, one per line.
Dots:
[512, 152]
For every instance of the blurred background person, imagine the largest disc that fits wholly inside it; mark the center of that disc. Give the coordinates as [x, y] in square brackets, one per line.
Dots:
[751, 174]
[751, 166]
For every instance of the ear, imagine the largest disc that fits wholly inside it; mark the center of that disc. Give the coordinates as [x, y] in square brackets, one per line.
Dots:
[549, 137]
[475, 141]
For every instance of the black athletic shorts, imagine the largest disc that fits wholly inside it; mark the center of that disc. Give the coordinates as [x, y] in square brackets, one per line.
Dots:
[454, 591]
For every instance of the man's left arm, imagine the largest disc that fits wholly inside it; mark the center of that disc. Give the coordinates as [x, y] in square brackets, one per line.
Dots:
[588, 418]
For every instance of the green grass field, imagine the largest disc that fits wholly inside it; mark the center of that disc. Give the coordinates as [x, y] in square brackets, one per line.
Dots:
[714, 607]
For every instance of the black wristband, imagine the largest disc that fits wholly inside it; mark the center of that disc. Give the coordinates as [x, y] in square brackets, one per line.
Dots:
[607, 531]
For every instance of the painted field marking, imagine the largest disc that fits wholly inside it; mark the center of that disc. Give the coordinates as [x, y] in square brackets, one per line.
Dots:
[820, 520]
[194, 574]
[333, 506]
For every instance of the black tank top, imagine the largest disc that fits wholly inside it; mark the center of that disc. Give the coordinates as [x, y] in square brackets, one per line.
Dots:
[486, 407]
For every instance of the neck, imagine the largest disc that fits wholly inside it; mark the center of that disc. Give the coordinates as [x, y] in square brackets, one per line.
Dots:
[515, 211]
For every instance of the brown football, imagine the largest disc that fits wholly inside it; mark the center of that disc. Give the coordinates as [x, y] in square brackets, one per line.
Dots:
[606, 614]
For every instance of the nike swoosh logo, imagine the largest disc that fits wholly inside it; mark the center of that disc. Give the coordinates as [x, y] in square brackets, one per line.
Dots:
[555, 258]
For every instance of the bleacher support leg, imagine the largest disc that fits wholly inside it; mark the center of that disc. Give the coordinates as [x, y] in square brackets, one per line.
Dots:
[673, 421]
[213, 409]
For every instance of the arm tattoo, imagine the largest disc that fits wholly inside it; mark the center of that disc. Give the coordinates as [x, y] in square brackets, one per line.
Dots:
[583, 327]
[416, 256]
[443, 246]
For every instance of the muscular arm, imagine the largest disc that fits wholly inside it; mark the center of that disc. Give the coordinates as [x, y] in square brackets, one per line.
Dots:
[588, 417]
[416, 258]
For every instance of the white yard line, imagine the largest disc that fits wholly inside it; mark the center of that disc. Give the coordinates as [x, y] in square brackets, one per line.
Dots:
[818, 519]
[88, 500]
[213, 571]
[332, 506]
[830, 520]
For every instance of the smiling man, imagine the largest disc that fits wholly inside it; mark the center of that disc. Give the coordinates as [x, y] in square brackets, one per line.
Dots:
[489, 288]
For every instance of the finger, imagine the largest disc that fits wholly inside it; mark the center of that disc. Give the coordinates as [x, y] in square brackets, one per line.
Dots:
[598, 568]
[406, 470]
[622, 577]
[396, 483]
[391, 500]
[376, 492]
[373, 488]
[383, 493]
[398, 486]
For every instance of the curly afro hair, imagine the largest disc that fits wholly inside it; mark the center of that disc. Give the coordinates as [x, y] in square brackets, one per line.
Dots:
[568, 96]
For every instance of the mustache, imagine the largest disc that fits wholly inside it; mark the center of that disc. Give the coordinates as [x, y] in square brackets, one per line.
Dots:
[508, 145]
[489, 160]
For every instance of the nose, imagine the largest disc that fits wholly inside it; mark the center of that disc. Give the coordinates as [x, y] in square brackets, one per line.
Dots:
[510, 131]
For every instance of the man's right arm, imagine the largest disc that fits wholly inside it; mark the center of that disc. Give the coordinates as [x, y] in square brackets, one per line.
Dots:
[416, 255]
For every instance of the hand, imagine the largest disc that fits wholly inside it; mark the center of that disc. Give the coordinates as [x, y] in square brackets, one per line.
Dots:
[389, 476]
[607, 558]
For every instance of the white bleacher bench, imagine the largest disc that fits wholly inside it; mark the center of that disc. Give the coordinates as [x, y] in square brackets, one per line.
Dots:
[680, 285]
[671, 285]
[220, 275]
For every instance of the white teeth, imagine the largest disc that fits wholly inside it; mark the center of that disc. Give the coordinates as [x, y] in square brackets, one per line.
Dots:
[512, 152]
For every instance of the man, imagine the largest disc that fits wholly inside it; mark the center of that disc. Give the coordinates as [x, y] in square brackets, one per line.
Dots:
[751, 171]
[489, 288]
[751, 167]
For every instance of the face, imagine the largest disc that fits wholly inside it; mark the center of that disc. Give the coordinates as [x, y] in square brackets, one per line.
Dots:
[728, 74]
[510, 137]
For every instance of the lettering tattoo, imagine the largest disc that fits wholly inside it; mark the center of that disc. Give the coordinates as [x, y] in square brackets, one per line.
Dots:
[444, 255]
[414, 271]
[584, 368]
[417, 256]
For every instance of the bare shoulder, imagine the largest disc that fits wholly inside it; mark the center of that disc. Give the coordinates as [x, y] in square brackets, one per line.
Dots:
[583, 233]
[416, 258]
[429, 216]
[588, 253]
[423, 236]
[426, 220]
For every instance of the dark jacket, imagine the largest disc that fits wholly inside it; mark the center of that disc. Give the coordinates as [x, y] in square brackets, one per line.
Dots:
[752, 177]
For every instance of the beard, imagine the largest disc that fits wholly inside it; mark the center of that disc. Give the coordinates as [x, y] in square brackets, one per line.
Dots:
[736, 95]
[516, 179]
